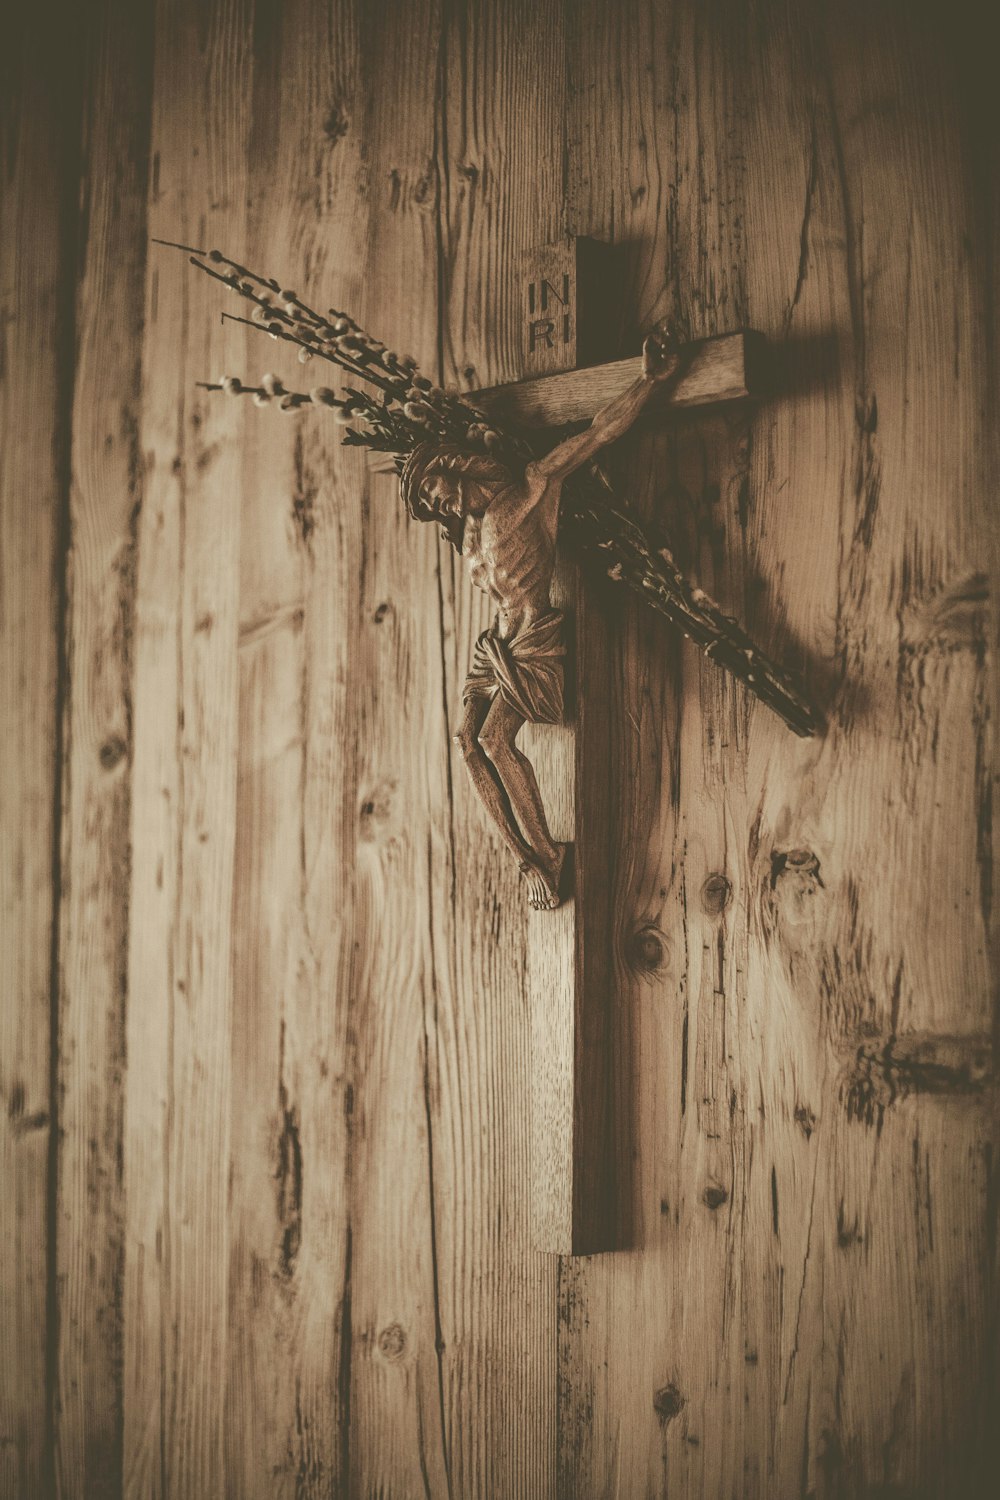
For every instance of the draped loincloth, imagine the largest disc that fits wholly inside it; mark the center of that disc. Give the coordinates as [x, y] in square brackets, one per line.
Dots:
[526, 669]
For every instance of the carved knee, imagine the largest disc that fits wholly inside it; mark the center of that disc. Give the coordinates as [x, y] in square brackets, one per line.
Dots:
[466, 742]
[496, 742]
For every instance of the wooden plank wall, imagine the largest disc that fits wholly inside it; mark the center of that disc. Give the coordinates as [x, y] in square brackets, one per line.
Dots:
[35, 322]
[263, 1050]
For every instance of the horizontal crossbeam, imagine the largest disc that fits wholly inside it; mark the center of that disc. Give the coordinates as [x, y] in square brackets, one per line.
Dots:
[717, 372]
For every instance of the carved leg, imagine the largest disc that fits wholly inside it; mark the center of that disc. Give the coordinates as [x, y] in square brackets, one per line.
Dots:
[487, 785]
[497, 737]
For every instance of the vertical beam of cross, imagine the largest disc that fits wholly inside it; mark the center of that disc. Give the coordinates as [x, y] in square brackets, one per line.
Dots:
[580, 1195]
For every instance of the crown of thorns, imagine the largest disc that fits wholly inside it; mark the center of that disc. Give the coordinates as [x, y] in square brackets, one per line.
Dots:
[431, 458]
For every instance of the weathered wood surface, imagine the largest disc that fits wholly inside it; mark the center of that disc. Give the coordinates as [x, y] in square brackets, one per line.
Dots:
[493, 173]
[266, 1186]
[92, 1010]
[35, 318]
[784, 920]
[718, 372]
[184, 1016]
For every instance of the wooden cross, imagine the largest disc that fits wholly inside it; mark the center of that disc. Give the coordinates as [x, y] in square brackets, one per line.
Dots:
[576, 1187]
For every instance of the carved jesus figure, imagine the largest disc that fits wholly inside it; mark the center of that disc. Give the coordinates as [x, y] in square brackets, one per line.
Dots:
[506, 528]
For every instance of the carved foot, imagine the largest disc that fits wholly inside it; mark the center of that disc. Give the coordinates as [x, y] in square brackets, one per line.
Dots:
[543, 878]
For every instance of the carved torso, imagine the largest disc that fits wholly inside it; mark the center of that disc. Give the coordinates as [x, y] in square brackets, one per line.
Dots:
[510, 549]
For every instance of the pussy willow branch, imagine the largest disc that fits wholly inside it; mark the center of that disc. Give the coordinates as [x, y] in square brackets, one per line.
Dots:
[592, 524]
[412, 410]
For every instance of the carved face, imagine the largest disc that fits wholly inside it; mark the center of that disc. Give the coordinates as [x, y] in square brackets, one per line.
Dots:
[443, 493]
[456, 495]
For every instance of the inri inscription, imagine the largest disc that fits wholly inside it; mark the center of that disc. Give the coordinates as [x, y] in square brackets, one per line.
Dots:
[567, 306]
[549, 313]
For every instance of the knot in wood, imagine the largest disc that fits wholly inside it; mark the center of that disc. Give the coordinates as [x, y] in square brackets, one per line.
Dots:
[392, 1342]
[112, 752]
[647, 949]
[795, 862]
[795, 880]
[714, 1196]
[336, 124]
[667, 1403]
[715, 894]
[375, 811]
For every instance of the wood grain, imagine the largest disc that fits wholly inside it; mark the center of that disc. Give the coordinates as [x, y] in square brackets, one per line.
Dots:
[105, 497]
[278, 1240]
[290, 1226]
[501, 197]
[769, 1100]
[39, 181]
[182, 1000]
[401, 1380]
[718, 372]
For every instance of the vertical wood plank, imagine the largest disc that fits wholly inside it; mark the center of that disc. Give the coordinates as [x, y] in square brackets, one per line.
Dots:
[501, 158]
[180, 963]
[291, 1263]
[912, 708]
[400, 1433]
[38, 149]
[105, 499]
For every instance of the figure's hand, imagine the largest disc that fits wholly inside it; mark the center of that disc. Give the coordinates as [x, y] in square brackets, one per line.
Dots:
[665, 358]
[660, 354]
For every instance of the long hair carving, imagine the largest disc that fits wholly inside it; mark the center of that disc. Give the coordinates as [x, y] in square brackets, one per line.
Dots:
[429, 459]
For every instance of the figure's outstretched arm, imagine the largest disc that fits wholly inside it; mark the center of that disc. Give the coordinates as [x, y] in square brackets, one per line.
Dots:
[662, 366]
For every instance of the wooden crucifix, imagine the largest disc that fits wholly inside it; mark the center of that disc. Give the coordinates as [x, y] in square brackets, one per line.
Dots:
[503, 500]
[555, 823]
